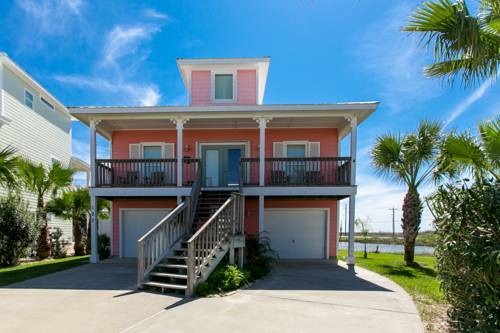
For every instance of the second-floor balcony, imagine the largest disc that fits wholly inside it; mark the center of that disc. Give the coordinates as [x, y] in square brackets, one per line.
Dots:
[278, 172]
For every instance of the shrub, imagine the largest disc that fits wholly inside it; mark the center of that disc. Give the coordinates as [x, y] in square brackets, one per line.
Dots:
[224, 278]
[468, 254]
[58, 245]
[103, 246]
[260, 257]
[18, 230]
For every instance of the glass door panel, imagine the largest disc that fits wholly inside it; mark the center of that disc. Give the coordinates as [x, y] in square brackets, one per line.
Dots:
[212, 169]
[295, 170]
[233, 166]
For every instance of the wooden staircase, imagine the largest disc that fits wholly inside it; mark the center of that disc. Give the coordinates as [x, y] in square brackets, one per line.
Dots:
[187, 245]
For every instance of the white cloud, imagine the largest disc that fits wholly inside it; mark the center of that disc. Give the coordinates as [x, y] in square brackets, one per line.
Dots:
[468, 102]
[125, 41]
[131, 93]
[376, 196]
[150, 12]
[51, 16]
[394, 60]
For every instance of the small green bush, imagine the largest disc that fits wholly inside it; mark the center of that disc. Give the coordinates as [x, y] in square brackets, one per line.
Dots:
[468, 254]
[260, 258]
[103, 246]
[58, 245]
[224, 278]
[18, 230]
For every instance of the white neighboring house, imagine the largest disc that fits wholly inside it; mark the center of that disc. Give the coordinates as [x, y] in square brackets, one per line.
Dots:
[37, 125]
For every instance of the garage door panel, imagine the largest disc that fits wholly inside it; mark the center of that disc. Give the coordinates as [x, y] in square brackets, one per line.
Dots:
[135, 223]
[297, 234]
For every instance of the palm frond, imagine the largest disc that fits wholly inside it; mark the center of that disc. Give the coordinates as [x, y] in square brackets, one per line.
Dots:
[489, 132]
[8, 166]
[386, 157]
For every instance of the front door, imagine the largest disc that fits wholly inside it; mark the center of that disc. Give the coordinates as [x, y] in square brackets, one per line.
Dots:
[221, 165]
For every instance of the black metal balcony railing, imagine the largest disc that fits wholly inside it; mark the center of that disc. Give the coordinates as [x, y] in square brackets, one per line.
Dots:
[308, 171]
[143, 172]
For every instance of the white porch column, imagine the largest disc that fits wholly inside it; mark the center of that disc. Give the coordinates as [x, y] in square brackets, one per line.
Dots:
[179, 124]
[262, 147]
[352, 198]
[92, 142]
[262, 224]
[94, 229]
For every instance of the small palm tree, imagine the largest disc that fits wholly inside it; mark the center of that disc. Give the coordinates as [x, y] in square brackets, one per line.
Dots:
[102, 213]
[410, 160]
[8, 166]
[364, 229]
[73, 205]
[44, 181]
[461, 152]
[464, 45]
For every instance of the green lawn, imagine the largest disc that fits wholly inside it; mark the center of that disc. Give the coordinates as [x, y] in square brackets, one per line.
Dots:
[9, 275]
[419, 281]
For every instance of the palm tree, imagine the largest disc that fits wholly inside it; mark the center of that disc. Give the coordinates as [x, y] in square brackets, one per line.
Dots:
[464, 46]
[44, 181]
[410, 160]
[73, 205]
[8, 166]
[461, 152]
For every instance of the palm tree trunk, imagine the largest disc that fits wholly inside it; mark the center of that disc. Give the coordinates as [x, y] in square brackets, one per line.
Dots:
[88, 240]
[43, 245]
[77, 235]
[412, 212]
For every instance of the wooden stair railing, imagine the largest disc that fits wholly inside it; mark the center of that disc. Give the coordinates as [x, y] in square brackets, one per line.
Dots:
[159, 241]
[205, 244]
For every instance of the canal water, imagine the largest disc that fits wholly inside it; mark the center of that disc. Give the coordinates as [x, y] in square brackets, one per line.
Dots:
[387, 248]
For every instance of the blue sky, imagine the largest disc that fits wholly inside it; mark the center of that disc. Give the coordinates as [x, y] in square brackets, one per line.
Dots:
[123, 53]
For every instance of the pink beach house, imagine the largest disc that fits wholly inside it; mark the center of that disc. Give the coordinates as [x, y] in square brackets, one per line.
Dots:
[188, 182]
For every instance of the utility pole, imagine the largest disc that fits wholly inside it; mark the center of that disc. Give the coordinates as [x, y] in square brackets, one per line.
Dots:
[393, 221]
[345, 219]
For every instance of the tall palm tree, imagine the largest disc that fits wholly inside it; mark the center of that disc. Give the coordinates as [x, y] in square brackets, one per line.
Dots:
[44, 181]
[8, 166]
[462, 152]
[464, 46]
[410, 160]
[73, 205]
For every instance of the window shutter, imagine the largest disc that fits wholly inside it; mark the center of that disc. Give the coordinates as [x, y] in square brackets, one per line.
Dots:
[278, 149]
[168, 150]
[314, 149]
[135, 151]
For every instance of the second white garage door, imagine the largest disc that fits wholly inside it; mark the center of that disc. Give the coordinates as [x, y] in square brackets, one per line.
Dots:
[297, 233]
[135, 223]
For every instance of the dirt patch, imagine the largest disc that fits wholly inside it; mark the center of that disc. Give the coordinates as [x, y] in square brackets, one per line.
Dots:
[433, 314]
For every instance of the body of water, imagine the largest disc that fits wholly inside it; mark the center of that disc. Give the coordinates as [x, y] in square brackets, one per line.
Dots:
[387, 248]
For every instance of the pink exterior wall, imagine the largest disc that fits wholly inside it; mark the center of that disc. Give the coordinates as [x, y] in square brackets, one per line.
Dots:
[328, 137]
[134, 203]
[252, 214]
[201, 88]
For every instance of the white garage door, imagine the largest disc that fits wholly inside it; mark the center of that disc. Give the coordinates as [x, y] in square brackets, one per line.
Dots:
[297, 233]
[135, 223]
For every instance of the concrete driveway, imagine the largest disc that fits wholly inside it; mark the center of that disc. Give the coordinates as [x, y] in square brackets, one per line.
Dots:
[299, 296]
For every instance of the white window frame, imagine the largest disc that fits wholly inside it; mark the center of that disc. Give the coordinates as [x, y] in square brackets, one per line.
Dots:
[222, 72]
[26, 90]
[304, 143]
[47, 104]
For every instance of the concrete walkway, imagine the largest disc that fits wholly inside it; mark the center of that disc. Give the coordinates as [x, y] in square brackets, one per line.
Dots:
[307, 296]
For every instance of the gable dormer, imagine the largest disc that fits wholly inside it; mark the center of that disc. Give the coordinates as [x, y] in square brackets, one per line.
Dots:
[224, 81]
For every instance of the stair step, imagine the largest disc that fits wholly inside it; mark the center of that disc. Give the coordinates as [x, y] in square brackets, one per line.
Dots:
[169, 275]
[172, 266]
[164, 285]
[177, 257]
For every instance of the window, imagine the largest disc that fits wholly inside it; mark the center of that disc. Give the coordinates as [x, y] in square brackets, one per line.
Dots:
[296, 150]
[47, 103]
[151, 152]
[28, 99]
[223, 89]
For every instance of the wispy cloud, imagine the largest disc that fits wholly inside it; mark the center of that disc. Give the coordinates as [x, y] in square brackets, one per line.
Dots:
[132, 93]
[395, 62]
[51, 16]
[153, 13]
[468, 102]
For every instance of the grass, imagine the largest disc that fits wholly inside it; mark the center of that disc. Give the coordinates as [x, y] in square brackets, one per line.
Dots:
[420, 281]
[9, 275]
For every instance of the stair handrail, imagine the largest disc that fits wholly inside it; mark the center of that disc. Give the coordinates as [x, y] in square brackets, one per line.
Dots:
[220, 227]
[195, 195]
[157, 242]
